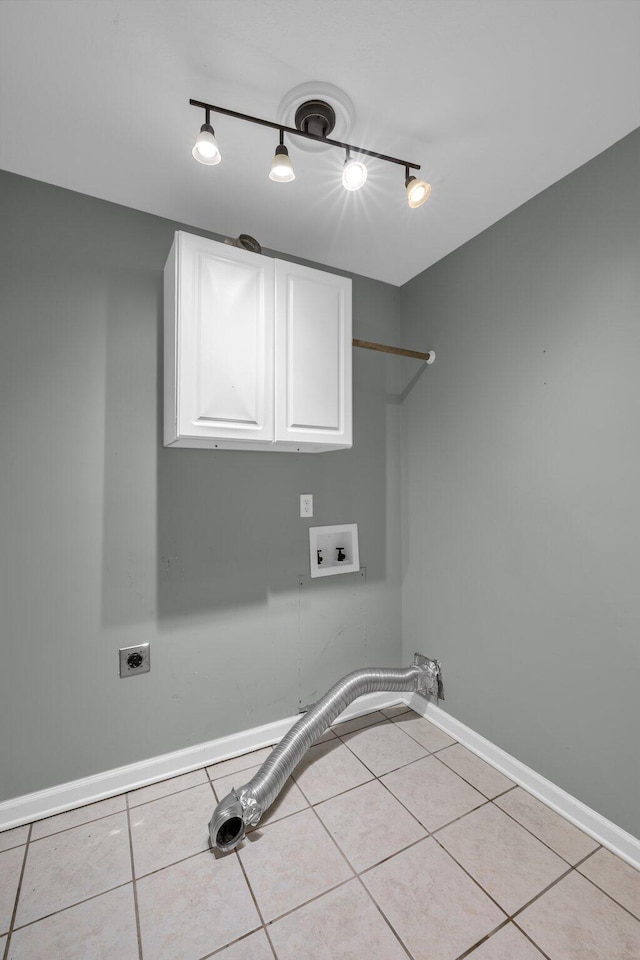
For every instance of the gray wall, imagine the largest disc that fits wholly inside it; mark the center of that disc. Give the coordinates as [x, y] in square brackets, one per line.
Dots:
[108, 539]
[521, 482]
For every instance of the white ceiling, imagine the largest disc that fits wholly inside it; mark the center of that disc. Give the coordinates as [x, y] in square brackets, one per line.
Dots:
[497, 99]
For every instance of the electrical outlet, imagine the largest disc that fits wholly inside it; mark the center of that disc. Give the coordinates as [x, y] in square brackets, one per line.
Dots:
[134, 660]
[306, 504]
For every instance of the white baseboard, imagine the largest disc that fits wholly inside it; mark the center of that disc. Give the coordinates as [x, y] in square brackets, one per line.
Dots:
[67, 796]
[77, 793]
[612, 837]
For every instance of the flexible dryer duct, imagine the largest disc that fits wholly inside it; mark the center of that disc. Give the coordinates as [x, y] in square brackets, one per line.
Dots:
[244, 807]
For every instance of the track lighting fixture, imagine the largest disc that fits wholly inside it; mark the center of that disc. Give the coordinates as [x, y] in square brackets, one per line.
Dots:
[354, 173]
[205, 149]
[314, 121]
[418, 191]
[281, 166]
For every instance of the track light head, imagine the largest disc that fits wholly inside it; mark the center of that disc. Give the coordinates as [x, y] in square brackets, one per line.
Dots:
[205, 149]
[314, 120]
[281, 166]
[418, 191]
[354, 174]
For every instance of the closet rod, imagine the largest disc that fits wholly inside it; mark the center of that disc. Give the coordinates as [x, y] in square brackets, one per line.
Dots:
[428, 357]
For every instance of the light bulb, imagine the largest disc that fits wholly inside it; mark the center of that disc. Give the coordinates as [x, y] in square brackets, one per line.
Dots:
[354, 174]
[205, 149]
[418, 192]
[281, 166]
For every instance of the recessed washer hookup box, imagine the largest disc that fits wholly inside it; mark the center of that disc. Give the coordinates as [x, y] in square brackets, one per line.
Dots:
[334, 550]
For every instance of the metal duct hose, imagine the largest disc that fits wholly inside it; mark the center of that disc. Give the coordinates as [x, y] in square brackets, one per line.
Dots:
[244, 807]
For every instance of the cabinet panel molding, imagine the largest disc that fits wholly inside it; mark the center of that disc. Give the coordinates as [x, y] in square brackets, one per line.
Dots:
[257, 351]
[313, 356]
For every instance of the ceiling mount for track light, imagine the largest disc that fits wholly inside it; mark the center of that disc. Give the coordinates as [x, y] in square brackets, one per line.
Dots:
[316, 117]
[344, 112]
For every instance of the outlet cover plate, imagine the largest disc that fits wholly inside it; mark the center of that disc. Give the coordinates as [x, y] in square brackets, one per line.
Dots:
[327, 544]
[135, 660]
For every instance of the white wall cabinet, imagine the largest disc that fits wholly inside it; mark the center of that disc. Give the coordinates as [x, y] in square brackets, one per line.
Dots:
[257, 351]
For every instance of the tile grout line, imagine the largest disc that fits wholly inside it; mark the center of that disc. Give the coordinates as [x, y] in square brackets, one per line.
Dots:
[205, 769]
[14, 912]
[456, 743]
[410, 812]
[265, 925]
[210, 782]
[541, 893]
[429, 752]
[357, 787]
[236, 853]
[399, 713]
[113, 813]
[305, 795]
[84, 823]
[367, 726]
[285, 816]
[471, 877]
[233, 943]
[414, 843]
[486, 892]
[78, 903]
[404, 806]
[468, 782]
[333, 797]
[504, 792]
[534, 835]
[253, 763]
[485, 939]
[318, 896]
[378, 863]
[531, 940]
[588, 856]
[357, 877]
[384, 917]
[270, 942]
[594, 884]
[310, 803]
[255, 899]
[397, 722]
[432, 834]
[165, 796]
[461, 817]
[335, 842]
[133, 879]
[402, 765]
[449, 823]
[173, 863]
[516, 786]
[16, 845]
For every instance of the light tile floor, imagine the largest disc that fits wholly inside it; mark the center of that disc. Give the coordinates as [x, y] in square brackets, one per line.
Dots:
[391, 841]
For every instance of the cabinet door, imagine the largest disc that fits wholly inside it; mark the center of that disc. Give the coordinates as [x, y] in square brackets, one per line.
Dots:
[224, 342]
[313, 357]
